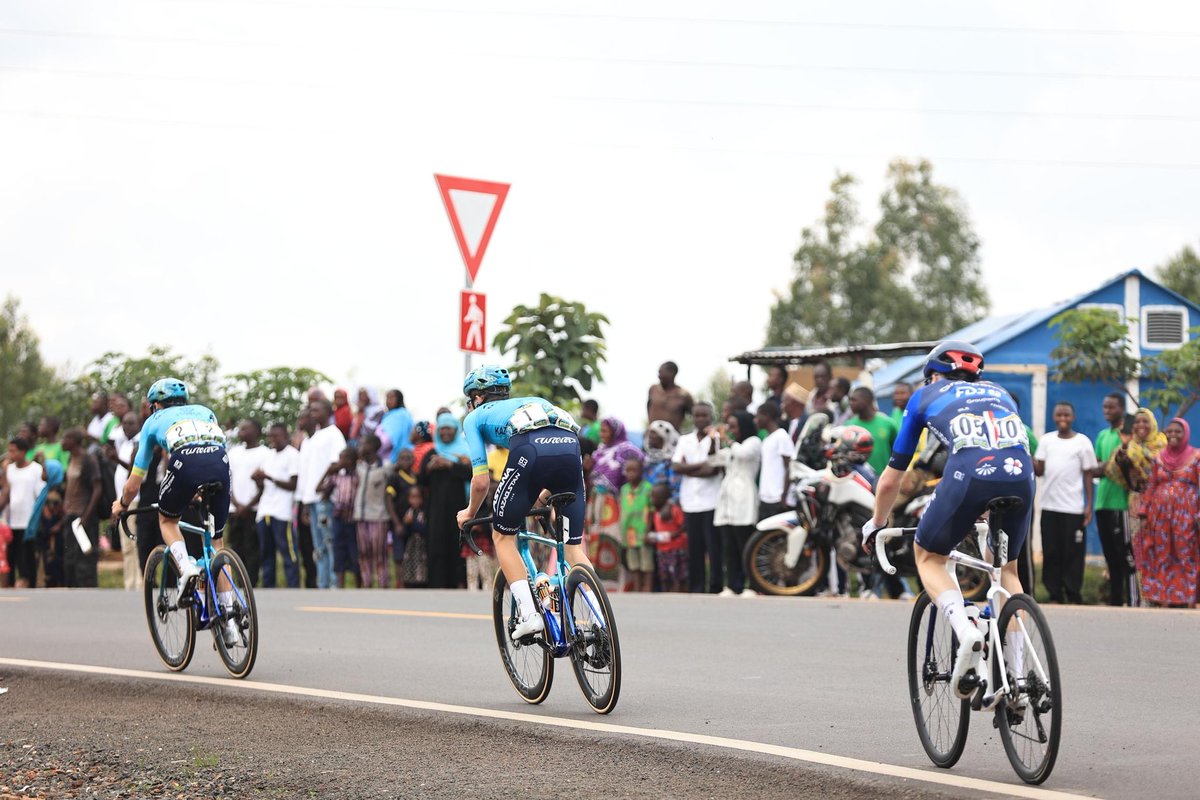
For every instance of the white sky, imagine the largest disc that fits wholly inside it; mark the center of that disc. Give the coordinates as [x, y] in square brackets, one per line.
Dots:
[254, 178]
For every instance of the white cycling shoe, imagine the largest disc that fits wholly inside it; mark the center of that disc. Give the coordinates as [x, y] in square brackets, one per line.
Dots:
[189, 570]
[527, 626]
[966, 661]
[231, 632]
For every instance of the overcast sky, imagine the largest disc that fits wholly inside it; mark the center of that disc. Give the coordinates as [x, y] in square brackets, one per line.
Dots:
[254, 178]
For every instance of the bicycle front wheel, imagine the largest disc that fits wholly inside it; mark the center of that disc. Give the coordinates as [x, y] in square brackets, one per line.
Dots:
[530, 667]
[172, 628]
[942, 718]
[596, 650]
[241, 650]
[1030, 719]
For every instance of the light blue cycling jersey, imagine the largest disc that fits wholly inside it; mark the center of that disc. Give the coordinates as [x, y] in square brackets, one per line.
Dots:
[497, 421]
[174, 427]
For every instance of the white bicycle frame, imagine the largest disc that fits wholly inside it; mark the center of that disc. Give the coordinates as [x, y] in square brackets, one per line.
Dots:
[996, 590]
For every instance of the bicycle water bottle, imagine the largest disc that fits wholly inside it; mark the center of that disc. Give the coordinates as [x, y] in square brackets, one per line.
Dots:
[541, 588]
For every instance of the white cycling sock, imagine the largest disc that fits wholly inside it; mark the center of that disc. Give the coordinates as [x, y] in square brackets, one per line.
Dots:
[179, 550]
[951, 604]
[524, 596]
[225, 599]
[1014, 651]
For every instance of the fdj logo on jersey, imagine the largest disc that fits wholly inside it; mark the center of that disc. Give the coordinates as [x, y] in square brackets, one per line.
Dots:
[986, 432]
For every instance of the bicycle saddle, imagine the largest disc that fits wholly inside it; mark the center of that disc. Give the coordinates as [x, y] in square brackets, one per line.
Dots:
[560, 499]
[1001, 505]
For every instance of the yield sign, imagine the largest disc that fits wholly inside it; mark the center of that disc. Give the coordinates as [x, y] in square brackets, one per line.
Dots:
[473, 207]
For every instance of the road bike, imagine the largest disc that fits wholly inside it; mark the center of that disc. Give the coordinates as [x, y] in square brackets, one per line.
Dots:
[577, 615]
[174, 617]
[1017, 681]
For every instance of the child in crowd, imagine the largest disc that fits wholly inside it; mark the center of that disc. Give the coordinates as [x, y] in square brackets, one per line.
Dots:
[372, 513]
[481, 569]
[635, 512]
[666, 530]
[340, 486]
[416, 530]
[400, 484]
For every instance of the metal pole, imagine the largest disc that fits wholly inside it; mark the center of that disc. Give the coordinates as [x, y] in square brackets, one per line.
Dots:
[466, 355]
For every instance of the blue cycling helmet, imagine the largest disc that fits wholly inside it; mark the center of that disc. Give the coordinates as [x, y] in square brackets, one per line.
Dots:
[962, 358]
[488, 379]
[168, 391]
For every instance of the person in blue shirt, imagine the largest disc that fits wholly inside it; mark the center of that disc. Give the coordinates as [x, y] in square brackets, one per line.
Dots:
[543, 459]
[988, 447]
[194, 446]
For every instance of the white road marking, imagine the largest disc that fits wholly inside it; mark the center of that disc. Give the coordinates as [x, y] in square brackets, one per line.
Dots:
[393, 612]
[13, 599]
[793, 753]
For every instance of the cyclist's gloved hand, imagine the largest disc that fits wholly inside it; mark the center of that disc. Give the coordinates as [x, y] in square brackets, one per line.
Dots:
[869, 529]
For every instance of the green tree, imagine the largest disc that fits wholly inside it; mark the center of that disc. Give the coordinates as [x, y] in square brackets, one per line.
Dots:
[22, 371]
[1178, 372]
[557, 349]
[717, 391]
[1093, 346]
[916, 276]
[269, 395]
[1181, 274]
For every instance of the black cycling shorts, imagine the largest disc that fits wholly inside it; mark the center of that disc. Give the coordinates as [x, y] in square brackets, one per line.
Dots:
[547, 458]
[187, 469]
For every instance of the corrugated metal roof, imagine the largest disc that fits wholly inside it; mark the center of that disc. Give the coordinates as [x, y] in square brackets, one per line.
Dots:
[810, 355]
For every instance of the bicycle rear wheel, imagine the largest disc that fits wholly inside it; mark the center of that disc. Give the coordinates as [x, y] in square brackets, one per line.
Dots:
[172, 628]
[240, 655]
[942, 718]
[1030, 719]
[530, 667]
[596, 651]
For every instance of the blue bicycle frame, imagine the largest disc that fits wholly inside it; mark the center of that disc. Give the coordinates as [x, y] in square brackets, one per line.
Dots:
[559, 641]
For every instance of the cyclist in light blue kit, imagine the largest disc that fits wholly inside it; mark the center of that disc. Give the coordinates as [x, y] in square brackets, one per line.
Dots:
[988, 447]
[193, 446]
[543, 459]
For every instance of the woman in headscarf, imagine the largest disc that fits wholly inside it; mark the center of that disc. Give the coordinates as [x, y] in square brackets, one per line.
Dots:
[661, 441]
[1129, 468]
[608, 465]
[737, 503]
[343, 417]
[370, 411]
[446, 472]
[1171, 508]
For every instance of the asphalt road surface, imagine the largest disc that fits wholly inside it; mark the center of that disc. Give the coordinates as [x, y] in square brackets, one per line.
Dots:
[781, 682]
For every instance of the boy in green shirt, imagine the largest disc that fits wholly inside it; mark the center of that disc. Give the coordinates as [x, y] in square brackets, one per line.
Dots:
[1112, 503]
[635, 511]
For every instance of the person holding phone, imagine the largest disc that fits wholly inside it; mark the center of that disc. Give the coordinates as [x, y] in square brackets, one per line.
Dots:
[1112, 504]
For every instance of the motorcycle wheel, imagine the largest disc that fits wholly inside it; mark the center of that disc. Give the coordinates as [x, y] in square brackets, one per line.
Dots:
[768, 574]
[974, 584]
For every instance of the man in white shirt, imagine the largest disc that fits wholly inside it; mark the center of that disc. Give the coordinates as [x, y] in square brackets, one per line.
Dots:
[776, 458]
[245, 458]
[276, 479]
[698, 492]
[23, 483]
[323, 447]
[102, 419]
[120, 450]
[1064, 460]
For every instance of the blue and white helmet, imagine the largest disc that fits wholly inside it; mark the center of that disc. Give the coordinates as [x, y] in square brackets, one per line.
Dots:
[487, 378]
[165, 390]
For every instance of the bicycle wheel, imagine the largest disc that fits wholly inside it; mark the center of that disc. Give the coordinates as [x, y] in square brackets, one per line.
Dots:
[764, 561]
[530, 667]
[596, 651]
[1030, 720]
[172, 628]
[942, 719]
[239, 656]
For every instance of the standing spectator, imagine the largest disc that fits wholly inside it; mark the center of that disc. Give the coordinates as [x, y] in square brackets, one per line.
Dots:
[776, 458]
[245, 458]
[399, 485]
[1064, 461]
[901, 392]
[698, 494]
[422, 443]
[660, 443]
[1130, 469]
[416, 538]
[370, 412]
[147, 527]
[343, 416]
[446, 473]
[777, 377]
[590, 424]
[1025, 557]
[1112, 504]
[883, 431]
[277, 481]
[741, 397]
[121, 450]
[667, 400]
[737, 502]
[81, 501]
[666, 528]
[102, 419]
[23, 482]
[795, 402]
[303, 530]
[839, 400]
[323, 447]
[635, 508]
[1168, 542]
[819, 398]
[608, 464]
[340, 487]
[48, 443]
[481, 569]
[372, 513]
[395, 429]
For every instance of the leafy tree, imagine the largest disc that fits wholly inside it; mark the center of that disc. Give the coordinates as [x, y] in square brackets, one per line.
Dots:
[717, 391]
[269, 395]
[1181, 274]
[22, 371]
[1178, 370]
[917, 276]
[1093, 345]
[557, 348]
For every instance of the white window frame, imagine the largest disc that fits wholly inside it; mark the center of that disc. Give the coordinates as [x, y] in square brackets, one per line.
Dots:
[1182, 310]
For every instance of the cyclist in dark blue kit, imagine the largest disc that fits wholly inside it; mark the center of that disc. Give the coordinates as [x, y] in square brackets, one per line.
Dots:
[988, 447]
[543, 459]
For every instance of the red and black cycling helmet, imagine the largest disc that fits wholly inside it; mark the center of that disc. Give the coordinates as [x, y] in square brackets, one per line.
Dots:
[955, 359]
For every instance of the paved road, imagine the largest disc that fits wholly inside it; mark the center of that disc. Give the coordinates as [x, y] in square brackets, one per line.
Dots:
[815, 674]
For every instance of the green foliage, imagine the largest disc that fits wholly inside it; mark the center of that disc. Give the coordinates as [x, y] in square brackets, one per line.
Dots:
[1178, 370]
[268, 395]
[717, 391]
[917, 277]
[557, 348]
[1093, 345]
[22, 371]
[1181, 274]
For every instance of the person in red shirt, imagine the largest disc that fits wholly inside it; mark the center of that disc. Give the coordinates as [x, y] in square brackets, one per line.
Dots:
[666, 530]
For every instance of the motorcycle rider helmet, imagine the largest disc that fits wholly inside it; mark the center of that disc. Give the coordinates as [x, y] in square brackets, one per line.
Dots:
[168, 392]
[850, 445]
[954, 359]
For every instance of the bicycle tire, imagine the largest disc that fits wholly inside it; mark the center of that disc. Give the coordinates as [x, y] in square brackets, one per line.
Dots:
[596, 651]
[931, 648]
[530, 667]
[172, 628]
[1022, 729]
[763, 559]
[238, 658]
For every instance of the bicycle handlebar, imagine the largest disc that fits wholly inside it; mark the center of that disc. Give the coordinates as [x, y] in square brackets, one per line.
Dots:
[124, 516]
[884, 536]
[464, 536]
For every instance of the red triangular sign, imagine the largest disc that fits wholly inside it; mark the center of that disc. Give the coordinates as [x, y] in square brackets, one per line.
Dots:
[473, 207]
